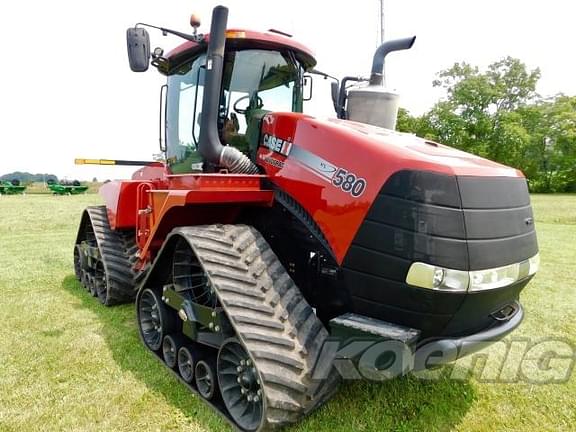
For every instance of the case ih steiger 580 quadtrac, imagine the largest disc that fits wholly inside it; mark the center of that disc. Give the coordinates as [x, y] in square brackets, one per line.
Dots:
[267, 232]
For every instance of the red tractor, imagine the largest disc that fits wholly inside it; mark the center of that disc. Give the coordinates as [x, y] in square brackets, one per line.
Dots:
[268, 234]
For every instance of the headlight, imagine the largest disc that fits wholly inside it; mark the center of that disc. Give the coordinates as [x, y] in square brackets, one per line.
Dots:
[443, 279]
[437, 278]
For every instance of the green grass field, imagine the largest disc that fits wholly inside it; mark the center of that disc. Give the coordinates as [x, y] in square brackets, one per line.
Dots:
[68, 363]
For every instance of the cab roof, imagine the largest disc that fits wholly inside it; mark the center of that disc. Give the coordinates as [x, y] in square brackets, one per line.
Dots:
[243, 39]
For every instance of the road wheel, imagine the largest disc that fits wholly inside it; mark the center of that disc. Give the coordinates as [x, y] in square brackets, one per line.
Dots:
[240, 385]
[154, 319]
[205, 379]
[186, 364]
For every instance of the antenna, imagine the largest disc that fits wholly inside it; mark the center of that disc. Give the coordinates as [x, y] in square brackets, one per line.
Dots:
[381, 21]
[382, 33]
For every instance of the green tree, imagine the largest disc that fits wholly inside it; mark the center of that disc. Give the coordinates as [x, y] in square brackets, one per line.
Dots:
[479, 113]
[550, 161]
[418, 125]
[497, 114]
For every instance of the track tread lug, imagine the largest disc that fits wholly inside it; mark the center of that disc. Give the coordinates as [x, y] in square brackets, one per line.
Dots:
[241, 291]
[274, 340]
[240, 304]
[285, 360]
[268, 324]
[284, 384]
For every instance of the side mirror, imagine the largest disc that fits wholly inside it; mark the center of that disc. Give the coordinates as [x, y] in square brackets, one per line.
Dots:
[307, 88]
[335, 91]
[138, 43]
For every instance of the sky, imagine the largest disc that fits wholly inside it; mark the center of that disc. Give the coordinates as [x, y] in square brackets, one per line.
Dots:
[66, 90]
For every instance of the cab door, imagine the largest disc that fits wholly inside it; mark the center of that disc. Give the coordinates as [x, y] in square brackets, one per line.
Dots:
[183, 113]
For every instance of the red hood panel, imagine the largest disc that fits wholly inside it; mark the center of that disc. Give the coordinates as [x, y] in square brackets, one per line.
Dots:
[335, 168]
[441, 157]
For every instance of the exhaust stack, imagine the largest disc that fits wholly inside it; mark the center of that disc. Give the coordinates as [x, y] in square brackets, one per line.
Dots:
[375, 104]
[209, 144]
[377, 73]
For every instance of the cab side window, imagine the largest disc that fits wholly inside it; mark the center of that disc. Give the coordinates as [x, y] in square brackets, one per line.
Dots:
[184, 106]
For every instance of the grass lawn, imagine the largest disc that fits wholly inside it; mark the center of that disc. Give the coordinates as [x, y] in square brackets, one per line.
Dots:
[68, 363]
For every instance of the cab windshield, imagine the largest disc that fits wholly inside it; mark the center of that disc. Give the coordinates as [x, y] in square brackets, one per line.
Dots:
[258, 79]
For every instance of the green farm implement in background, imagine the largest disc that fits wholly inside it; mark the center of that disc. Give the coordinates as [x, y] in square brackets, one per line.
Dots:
[67, 188]
[12, 187]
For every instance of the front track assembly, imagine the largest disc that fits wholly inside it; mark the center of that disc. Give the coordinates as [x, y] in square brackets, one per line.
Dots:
[103, 258]
[221, 312]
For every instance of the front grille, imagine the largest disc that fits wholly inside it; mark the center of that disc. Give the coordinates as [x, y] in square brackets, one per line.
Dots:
[463, 223]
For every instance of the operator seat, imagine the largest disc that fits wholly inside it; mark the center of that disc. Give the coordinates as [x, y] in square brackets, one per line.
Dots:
[253, 128]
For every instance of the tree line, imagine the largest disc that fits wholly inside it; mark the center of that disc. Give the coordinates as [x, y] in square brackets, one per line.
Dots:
[497, 114]
[27, 178]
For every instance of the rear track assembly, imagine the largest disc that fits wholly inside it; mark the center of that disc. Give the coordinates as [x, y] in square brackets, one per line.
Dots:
[103, 259]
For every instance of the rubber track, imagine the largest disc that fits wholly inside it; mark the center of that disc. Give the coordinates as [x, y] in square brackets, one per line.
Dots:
[117, 250]
[271, 317]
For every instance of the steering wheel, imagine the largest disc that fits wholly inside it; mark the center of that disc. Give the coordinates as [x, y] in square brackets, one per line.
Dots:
[258, 99]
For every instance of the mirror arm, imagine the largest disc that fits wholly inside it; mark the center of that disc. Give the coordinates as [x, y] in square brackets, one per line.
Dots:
[335, 83]
[323, 74]
[165, 31]
[341, 111]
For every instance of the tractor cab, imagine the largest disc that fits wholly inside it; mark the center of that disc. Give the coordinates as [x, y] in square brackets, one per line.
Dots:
[262, 72]
[255, 81]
